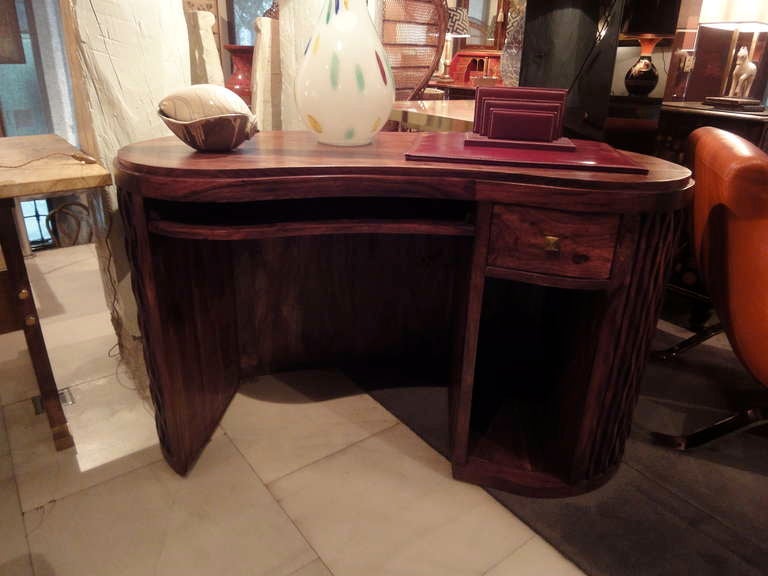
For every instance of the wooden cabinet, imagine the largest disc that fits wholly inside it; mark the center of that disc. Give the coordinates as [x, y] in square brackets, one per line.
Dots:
[679, 119]
[469, 65]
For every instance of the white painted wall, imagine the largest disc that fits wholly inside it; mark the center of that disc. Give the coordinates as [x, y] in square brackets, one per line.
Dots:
[55, 68]
[133, 54]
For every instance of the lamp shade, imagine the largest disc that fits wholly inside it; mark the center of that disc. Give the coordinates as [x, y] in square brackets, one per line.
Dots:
[458, 22]
[721, 11]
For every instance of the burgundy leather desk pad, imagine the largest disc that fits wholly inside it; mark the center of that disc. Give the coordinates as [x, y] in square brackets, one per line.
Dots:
[506, 93]
[589, 155]
[490, 105]
[563, 144]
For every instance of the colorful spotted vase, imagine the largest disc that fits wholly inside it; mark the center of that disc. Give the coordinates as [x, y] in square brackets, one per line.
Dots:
[344, 86]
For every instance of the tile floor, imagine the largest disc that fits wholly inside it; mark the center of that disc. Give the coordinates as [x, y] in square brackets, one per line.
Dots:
[310, 478]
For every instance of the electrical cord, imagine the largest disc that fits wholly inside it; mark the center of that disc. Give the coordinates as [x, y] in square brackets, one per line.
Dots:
[51, 219]
[598, 38]
[81, 157]
[110, 259]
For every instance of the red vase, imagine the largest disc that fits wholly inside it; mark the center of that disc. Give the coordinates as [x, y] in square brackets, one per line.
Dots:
[240, 80]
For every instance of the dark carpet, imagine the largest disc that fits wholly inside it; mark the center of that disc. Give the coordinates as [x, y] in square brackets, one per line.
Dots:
[664, 513]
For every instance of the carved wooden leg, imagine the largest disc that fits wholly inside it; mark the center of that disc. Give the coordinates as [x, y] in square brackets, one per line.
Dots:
[186, 299]
[27, 312]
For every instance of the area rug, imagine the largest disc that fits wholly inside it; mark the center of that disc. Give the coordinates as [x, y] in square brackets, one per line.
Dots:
[664, 513]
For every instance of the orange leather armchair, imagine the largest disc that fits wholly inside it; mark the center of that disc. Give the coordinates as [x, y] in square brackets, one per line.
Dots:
[730, 234]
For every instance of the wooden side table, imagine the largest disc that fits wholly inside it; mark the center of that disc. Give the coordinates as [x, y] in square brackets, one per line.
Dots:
[455, 90]
[35, 167]
[434, 115]
[679, 119]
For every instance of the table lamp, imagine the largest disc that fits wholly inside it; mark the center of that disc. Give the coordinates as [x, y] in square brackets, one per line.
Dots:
[458, 27]
[741, 19]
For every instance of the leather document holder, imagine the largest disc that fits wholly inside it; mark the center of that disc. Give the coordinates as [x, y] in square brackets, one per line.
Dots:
[521, 125]
[491, 104]
[482, 93]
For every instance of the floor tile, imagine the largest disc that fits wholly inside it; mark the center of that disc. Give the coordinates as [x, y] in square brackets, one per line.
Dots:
[388, 505]
[14, 553]
[314, 568]
[20, 566]
[78, 349]
[535, 558]
[51, 261]
[17, 378]
[218, 520]
[75, 320]
[69, 285]
[283, 422]
[719, 341]
[5, 448]
[114, 433]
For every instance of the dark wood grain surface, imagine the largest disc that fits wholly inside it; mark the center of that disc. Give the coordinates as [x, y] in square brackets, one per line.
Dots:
[348, 301]
[276, 156]
[292, 230]
[582, 245]
[9, 320]
[288, 254]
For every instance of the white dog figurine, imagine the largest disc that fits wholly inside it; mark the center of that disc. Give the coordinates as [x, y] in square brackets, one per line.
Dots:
[743, 75]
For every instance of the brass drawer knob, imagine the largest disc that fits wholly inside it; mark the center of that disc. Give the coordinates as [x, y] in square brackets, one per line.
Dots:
[30, 320]
[23, 294]
[552, 244]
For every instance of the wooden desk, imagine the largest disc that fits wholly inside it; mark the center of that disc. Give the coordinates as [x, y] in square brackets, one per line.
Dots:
[46, 167]
[435, 115]
[455, 90]
[468, 66]
[288, 254]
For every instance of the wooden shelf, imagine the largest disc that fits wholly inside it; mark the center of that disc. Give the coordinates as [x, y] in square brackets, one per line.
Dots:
[314, 217]
[532, 372]
[320, 228]
[547, 279]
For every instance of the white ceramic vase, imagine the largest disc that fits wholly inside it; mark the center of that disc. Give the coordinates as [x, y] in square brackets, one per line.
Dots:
[344, 86]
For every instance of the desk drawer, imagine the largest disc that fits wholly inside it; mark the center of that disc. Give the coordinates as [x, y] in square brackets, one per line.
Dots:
[552, 242]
